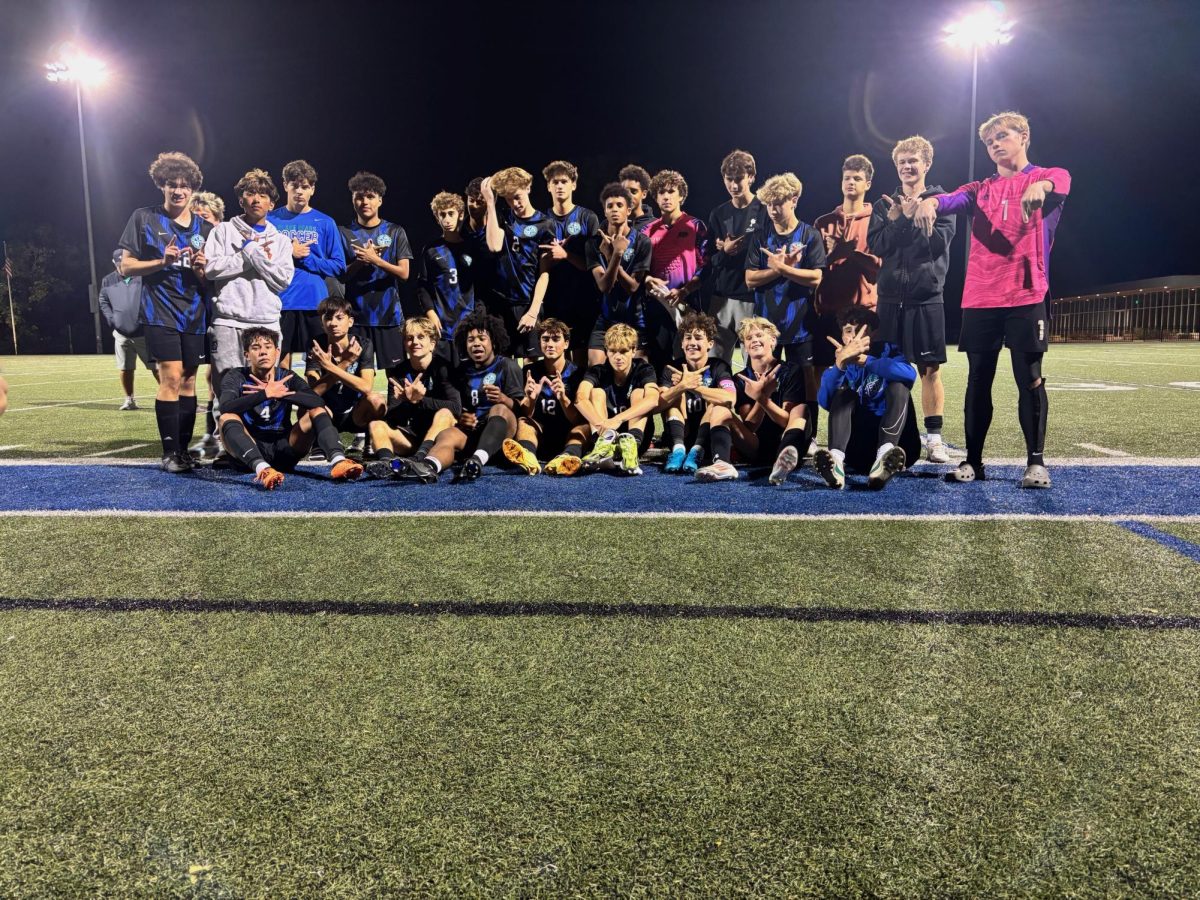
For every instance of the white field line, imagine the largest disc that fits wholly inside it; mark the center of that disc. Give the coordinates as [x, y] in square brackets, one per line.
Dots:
[25, 384]
[117, 450]
[1051, 462]
[1100, 379]
[12, 447]
[68, 403]
[1096, 448]
[584, 514]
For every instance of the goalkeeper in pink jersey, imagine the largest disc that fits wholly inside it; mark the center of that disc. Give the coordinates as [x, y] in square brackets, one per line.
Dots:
[1013, 217]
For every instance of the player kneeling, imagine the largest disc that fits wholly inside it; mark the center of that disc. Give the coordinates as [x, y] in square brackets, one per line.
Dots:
[619, 393]
[256, 413]
[770, 403]
[697, 399]
[551, 425]
[424, 402]
[490, 386]
[867, 390]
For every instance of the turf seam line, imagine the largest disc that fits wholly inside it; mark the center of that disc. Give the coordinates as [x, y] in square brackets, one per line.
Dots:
[572, 609]
[1174, 542]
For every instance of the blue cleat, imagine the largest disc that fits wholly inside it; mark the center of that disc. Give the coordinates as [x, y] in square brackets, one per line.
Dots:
[675, 461]
[692, 463]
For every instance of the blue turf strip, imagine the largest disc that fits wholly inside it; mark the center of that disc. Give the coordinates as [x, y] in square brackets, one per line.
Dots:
[1178, 544]
[1081, 490]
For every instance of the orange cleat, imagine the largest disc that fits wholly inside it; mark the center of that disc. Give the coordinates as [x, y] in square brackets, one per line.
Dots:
[346, 469]
[269, 478]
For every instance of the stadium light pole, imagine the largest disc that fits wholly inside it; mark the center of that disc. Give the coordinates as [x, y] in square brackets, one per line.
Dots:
[83, 71]
[984, 27]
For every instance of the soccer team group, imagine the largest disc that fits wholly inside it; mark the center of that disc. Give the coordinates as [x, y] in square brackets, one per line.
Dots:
[554, 341]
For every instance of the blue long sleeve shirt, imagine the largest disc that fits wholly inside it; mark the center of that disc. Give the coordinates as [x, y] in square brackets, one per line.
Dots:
[326, 256]
[870, 380]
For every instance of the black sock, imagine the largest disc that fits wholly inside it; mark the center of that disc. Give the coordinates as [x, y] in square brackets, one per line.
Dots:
[933, 424]
[811, 412]
[675, 431]
[637, 433]
[423, 450]
[493, 435]
[383, 454]
[530, 446]
[1031, 410]
[722, 443]
[187, 420]
[167, 414]
[328, 438]
[794, 437]
[977, 403]
[210, 421]
[573, 449]
[240, 445]
[702, 436]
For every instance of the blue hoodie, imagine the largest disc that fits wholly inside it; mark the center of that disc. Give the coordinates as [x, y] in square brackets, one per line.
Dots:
[870, 380]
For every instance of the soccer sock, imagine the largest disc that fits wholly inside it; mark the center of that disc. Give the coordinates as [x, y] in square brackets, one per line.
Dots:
[722, 443]
[573, 449]
[933, 426]
[423, 450]
[327, 438]
[675, 432]
[167, 414]
[492, 437]
[384, 454]
[977, 407]
[703, 434]
[241, 446]
[1032, 403]
[529, 445]
[811, 412]
[187, 420]
[210, 421]
[794, 437]
[433, 461]
[637, 434]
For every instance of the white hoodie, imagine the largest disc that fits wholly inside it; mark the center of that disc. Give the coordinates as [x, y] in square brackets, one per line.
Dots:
[248, 270]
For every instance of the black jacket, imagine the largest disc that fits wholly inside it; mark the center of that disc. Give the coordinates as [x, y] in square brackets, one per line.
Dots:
[914, 266]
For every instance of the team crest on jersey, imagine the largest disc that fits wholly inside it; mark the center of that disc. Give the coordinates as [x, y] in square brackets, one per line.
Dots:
[750, 227]
[197, 241]
[871, 385]
[573, 228]
[529, 230]
[706, 380]
[384, 240]
[795, 248]
[628, 254]
[489, 378]
[466, 259]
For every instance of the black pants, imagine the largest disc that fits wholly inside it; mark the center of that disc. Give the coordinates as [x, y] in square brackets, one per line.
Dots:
[858, 432]
[1032, 401]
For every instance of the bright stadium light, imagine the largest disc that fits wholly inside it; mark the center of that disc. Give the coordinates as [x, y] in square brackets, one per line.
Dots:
[82, 70]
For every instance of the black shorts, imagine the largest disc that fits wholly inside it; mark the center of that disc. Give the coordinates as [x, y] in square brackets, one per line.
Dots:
[918, 330]
[448, 351]
[403, 418]
[596, 338]
[168, 345]
[800, 354]
[1023, 328]
[300, 328]
[522, 346]
[388, 341]
[824, 326]
[279, 454]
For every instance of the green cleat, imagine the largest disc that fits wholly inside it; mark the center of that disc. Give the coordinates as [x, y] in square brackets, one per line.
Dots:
[521, 457]
[885, 467]
[602, 453]
[831, 470]
[627, 446]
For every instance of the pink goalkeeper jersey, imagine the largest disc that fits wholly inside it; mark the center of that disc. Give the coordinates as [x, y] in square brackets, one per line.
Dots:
[1010, 258]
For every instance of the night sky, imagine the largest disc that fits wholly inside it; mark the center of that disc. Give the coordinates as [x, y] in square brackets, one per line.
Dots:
[429, 95]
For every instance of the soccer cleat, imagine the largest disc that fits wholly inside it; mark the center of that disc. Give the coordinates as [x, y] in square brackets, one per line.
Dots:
[674, 462]
[935, 450]
[521, 457]
[269, 478]
[316, 454]
[345, 470]
[564, 465]
[830, 469]
[602, 452]
[785, 464]
[885, 467]
[206, 448]
[718, 471]
[627, 446]
[470, 470]
[380, 468]
[357, 446]
[691, 463]
[174, 464]
[811, 452]
[1035, 477]
[408, 467]
[129, 404]
[966, 473]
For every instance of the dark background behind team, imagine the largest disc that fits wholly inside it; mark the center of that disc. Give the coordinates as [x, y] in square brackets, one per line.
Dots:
[429, 95]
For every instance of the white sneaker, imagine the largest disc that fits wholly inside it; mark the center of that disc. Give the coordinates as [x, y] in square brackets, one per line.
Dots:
[357, 446]
[129, 404]
[718, 471]
[935, 450]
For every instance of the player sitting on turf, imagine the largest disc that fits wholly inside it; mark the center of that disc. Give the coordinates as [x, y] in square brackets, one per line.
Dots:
[696, 400]
[491, 387]
[256, 413]
[770, 403]
[619, 258]
[622, 393]
[876, 380]
[339, 369]
[551, 425]
[424, 402]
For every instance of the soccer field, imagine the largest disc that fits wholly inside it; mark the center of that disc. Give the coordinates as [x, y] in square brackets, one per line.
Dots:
[605, 685]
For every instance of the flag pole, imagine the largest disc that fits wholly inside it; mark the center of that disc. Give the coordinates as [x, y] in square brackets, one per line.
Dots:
[12, 318]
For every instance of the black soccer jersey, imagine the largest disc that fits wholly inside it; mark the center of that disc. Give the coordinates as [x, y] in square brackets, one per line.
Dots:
[268, 420]
[789, 386]
[546, 408]
[340, 396]
[172, 297]
[572, 293]
[374, 292]
[502, 372]
[445, 274]
[641, 374]
[728, 271]
[783, 303]
[618, 305]
[517, 267]
[715, 374]
[441, 392]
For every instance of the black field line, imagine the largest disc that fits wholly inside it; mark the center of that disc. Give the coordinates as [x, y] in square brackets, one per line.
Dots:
[568, 609]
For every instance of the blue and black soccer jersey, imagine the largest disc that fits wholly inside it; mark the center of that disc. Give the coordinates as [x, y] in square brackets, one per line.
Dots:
[503, 372]
[618, 305]
[268, 420]
[783, 303]
[641, 374]
[727, 272]
[339, 396]
[326, 256]
[517, 267]
[445, 278]
[547, 411]
[572, 294]
[715, 374]
[172, 297]
[374, 292]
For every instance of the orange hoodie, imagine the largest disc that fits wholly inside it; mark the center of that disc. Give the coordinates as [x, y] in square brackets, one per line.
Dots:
[851, 272]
